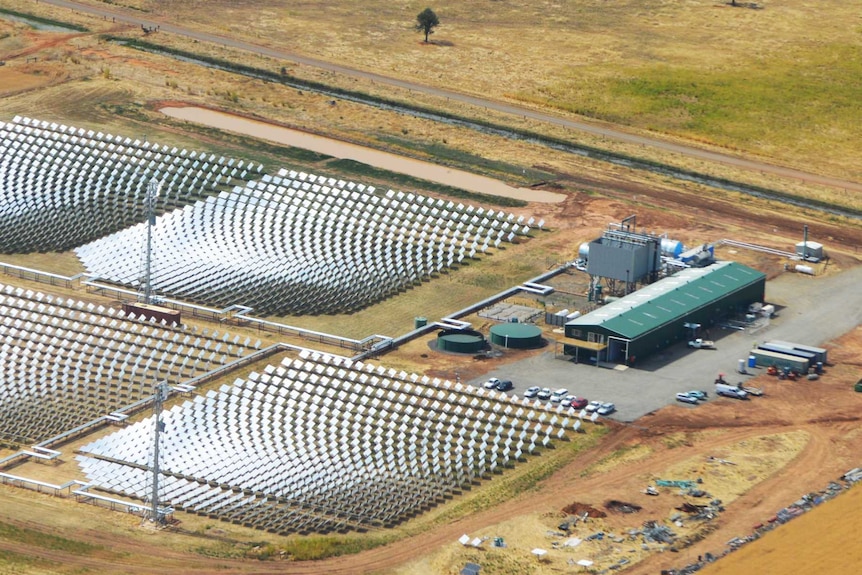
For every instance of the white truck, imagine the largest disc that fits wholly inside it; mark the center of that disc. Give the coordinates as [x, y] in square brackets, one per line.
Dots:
[701, 343]
[728, 390]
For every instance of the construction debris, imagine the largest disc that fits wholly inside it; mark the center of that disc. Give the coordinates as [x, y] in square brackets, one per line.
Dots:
[681, 483]
[717, 460]
[653, 532]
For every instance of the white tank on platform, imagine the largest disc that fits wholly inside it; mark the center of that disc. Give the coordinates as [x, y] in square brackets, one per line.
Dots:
[671, 248]
[584, 251]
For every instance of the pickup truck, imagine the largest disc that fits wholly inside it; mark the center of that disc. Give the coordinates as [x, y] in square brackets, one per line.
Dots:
[701, 343]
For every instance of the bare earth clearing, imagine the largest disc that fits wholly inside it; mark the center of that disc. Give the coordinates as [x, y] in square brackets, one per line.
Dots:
[328, 146]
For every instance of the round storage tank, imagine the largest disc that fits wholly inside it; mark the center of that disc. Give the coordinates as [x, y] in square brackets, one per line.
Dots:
[584, 251]
[671, 248]
[460, 341]
[419, 321]
[516, 336]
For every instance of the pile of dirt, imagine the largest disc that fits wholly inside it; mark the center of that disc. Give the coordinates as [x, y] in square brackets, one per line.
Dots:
[691, 508]
[581, 508]
[621, 506]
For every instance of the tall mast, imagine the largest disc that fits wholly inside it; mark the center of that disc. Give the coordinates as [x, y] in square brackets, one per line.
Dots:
[160, 394]
[153, 189]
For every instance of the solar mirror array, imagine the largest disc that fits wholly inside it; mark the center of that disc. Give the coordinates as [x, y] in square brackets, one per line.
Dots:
[65, 362]
[62, 186]
[321, 443]
[297, 243]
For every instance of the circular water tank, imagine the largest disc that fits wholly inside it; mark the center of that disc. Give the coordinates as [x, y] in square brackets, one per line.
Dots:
[419, 321]
[516, 336]
[584, 251]
[460, 341]
[671, 248]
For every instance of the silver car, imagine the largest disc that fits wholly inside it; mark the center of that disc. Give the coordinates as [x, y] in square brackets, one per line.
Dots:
[606, 409]
[686, 398]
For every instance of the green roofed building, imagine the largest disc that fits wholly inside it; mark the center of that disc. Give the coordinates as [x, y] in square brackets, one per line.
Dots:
[658, 315]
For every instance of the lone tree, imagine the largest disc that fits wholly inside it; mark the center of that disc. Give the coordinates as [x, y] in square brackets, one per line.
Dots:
[426, 21]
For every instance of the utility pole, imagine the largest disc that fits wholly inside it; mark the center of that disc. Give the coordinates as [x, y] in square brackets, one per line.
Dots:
[160, 393]
[153, 190]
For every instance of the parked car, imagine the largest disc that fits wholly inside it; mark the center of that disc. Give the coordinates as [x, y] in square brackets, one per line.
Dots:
[728, 390]
[578, 402]
[699, 395]
[532, 392]
[593, 406]
[504, 385]
[606, 409]
[491, 383]
[558, 395]
[686, 398]
[544, 394]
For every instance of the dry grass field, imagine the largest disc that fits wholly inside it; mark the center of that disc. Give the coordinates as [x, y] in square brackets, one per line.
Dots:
[777, 82]
[822, 541]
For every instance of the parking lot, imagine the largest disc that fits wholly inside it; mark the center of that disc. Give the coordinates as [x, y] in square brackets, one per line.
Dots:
[812, 311]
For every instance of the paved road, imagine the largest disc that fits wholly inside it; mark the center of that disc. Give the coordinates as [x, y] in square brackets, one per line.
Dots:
[815, 311]
[165, 26]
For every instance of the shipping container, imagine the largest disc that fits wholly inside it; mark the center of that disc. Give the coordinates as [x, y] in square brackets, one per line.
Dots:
[766, 358]
[787, 350]
[817, 351]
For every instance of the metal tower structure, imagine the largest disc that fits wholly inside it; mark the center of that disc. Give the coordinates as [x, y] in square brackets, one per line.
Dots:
[153, 190]
[160, 394]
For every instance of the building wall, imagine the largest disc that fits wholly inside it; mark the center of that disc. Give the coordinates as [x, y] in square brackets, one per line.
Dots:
[621, 261]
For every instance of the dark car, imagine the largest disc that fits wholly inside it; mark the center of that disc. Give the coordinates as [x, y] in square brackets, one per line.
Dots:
[578, 403]
[504, 385]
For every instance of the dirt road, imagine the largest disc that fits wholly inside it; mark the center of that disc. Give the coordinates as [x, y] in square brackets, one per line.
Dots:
[595, 129]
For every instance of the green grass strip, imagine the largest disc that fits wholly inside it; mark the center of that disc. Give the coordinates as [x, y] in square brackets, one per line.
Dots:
[42, 20]
[45, 540]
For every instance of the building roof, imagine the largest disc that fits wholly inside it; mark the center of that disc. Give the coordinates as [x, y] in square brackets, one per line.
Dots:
[516, 330]
[670, 299]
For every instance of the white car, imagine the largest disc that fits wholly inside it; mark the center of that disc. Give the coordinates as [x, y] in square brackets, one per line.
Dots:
[686, 398]
[532, 392]
[544, 393]
[593, 406]
[558, 395]
[606, 409]
[491, 383]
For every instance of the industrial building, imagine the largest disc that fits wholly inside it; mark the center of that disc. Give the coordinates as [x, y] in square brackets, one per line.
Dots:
[663, 313]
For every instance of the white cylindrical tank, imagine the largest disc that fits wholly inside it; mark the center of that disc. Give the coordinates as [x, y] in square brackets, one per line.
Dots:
[671, 248]
[584, 251]
[573, 315]
[563, 312]
[804, 269]
[767, 310]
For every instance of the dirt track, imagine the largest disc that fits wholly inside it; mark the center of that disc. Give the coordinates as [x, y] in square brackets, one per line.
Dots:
[591, 128]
